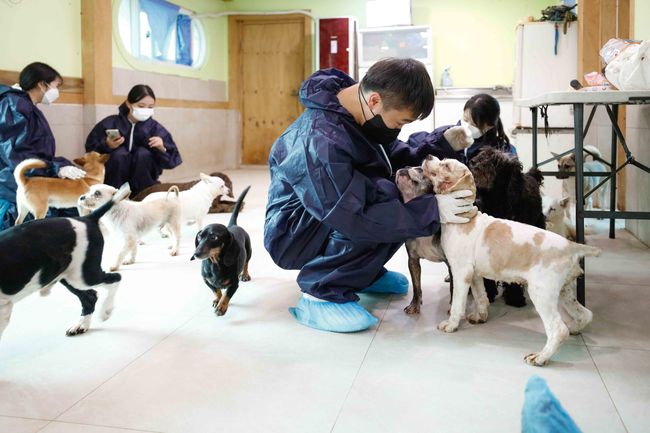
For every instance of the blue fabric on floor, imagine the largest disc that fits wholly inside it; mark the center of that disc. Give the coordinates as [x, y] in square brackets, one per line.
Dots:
[390, 282]
[333, 317]
[542, 412]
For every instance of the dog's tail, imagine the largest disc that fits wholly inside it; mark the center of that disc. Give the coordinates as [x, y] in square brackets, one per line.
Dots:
[28, 164]
[235, 211]
[593, 152]
[119, 195]
[173, 188]
[582, 250]
[537, 175]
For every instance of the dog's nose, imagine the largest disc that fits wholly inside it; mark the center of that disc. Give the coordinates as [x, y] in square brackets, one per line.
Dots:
[82, 198]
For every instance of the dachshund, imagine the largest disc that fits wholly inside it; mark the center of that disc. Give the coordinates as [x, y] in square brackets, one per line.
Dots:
[225, 252]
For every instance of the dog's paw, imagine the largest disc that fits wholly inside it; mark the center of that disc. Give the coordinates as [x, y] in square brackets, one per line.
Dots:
[412, 308]
[459, 137]
[114, 268]
[173, 251]
[106, 314]
[447, 326]
[220, 310]
[46, 291]
[79, 328]
[476, 318]
[244, 277]
[128, 262]
[535, 360]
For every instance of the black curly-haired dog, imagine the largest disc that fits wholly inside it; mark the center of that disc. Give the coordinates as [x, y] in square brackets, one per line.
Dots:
[505, 191]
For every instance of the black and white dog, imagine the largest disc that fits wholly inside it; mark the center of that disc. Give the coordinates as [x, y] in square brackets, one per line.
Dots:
[36, 255]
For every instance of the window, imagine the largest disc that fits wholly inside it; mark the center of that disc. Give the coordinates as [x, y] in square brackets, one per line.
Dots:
[162, 31]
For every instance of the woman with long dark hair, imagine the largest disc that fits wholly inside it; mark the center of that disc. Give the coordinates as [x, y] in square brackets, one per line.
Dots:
[139, 146]
[25, 133]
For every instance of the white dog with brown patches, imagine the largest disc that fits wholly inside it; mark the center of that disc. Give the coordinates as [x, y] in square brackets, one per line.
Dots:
[509, 251]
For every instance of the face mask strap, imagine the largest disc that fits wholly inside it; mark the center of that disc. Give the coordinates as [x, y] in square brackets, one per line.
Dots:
[364, 100]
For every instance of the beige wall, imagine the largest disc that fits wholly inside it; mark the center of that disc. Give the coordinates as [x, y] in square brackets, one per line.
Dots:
[638, 139]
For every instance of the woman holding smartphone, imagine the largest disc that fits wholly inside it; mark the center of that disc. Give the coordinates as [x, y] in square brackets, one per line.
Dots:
[139, 146]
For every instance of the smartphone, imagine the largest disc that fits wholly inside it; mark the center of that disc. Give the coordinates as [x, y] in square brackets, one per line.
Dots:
[113, 133]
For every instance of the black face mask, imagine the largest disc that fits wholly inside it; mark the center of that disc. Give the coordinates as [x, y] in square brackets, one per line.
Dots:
[375, 130]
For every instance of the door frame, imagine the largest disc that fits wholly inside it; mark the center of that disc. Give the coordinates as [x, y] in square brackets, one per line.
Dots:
[235, 26]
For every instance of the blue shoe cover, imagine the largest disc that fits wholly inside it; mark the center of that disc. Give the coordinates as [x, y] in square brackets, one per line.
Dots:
[333, 317]
[542, 412]
[390, 282]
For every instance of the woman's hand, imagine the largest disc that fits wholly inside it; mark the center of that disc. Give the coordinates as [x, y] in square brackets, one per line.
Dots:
[115, 142]
[157, 143]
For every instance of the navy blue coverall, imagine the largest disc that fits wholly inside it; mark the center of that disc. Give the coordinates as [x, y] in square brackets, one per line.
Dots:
[333, 210]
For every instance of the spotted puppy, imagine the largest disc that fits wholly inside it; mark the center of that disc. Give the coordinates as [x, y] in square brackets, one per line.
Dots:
[225, 252]
[36, 255]
[509, 251]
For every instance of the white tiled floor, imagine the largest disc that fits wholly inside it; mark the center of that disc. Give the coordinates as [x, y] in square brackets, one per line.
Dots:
[165, 363]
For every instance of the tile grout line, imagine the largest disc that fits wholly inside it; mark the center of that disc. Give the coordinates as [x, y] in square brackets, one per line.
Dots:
[192, 317]
[102, 426]
[345, 399]
[602, 379]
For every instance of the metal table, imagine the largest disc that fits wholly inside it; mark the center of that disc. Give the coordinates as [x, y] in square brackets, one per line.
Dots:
[611, 100]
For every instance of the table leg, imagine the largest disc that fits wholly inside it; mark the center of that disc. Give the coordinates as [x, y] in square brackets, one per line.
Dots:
[533, 111]
[578, 115]
[612, 182]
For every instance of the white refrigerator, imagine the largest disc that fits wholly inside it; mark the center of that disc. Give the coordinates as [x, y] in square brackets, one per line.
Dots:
[539, 69]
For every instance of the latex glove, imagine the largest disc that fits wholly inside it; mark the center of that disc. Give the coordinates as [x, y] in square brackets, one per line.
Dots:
[459, 137]
[71, 172]
[452, 204]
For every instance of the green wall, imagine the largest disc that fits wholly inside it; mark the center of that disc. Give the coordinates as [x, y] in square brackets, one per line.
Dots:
[475, 37]
[41, 30]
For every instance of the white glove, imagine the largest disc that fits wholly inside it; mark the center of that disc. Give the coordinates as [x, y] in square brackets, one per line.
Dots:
[71, 172]
[459, 137]
[452, 204]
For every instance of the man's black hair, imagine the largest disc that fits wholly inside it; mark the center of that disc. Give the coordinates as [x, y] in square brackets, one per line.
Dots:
[36, 72]
[402, 84]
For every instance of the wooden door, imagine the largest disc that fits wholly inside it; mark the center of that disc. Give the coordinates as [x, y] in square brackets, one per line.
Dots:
[598, 21]
[272, 60]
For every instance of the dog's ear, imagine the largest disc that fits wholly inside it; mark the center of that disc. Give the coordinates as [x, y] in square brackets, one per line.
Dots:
[556, 155]
[204, 177]
[465, 182]
[196, 238]
[230, 252]
[564, 202]
[80, 161]
[104, 157]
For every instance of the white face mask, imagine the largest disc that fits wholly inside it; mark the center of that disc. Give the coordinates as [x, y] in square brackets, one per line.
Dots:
[51, 95]
[476, 133]
[142, 114]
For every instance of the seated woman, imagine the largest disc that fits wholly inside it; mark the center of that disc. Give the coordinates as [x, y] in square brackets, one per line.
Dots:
[141, 149]
[25, 133]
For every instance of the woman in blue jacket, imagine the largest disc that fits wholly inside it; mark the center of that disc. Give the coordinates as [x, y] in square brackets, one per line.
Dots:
[25, 133]
[333, 209]
[141, 149]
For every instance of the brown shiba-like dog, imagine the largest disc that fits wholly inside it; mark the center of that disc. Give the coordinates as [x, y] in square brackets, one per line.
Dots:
[36, 194]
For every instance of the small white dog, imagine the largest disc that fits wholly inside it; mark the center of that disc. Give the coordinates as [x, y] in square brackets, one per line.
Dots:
[555, 213]
[196, 201]
[131, 220]
[504, 250]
